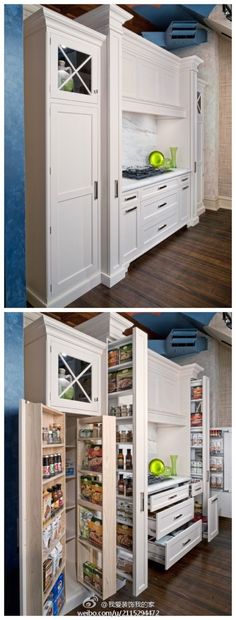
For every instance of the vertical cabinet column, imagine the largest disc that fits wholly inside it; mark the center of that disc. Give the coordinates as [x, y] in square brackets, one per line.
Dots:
[127, 395]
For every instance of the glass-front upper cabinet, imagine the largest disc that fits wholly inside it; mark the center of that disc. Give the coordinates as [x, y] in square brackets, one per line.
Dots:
[75, 378]
[74, 69]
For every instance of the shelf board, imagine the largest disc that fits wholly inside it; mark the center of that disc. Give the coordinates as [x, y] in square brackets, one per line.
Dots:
[120, 393]
[71, 507]
[123, 522]
[58, 512]
[124, 443]
[52, 478]
[95, 440]
[126, 419]
[89, 544]
[120, 343]
[71, 537]
[89, 472]
[89, 505]
[70, 478]
[46, 594]
[196, 429]
[196, 447]
[53, 445]
[121, 366]
[127, 499]
[123, 575]
[125, 471]
[69, 446]
[125, 549]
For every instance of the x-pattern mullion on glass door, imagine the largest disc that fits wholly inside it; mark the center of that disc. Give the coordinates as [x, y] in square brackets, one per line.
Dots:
[76, 378]
[75, 71]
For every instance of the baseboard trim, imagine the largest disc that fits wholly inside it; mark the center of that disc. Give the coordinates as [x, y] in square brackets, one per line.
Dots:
[111, 280]
[66, 298]
[222, 202]
[201, 210]
[193, 222]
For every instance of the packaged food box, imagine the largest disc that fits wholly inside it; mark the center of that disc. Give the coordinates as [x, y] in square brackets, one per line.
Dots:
[196, 392]
[113, 357]
[46, 506]
[124, 379]
[47, 574]
[95, 458]
[85, 517]
[88, 573]
[96, 497]
[58, 594]
[48, 607]
[95, 531]
[97, 579]
[126, 353]
[112, 382]
[124, 535]
[86, 487]
[196, 419]
[125, 564]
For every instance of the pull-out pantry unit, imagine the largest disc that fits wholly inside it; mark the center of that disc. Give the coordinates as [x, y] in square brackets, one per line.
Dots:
[103, 527]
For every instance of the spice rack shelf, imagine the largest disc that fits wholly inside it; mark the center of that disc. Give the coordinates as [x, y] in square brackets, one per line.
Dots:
[57, 513]
[93, 519]
[53, 445]
[70, 478]
[120, 366]
[53, 478]
[120, 393]
[71, 507]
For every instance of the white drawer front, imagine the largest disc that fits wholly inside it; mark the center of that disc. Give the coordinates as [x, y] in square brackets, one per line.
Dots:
[172, 518]
[171, 551]
[129, 199]
[158, 206]
[154, 232]
[183, 543]
[196, 488]
[159, 188]
[167, 498]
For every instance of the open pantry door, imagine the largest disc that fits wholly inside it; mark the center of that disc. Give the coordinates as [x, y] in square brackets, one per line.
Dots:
[213, 518]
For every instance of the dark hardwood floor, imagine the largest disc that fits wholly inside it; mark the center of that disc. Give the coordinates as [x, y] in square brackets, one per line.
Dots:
[198, 585]
[190, 269]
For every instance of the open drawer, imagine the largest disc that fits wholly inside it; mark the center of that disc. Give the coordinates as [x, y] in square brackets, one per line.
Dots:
[196, 488]
[170, 519]
[173, 547]
[167, 498]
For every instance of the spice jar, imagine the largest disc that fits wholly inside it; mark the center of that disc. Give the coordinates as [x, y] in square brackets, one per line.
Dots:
[129, 436]
[46, 469]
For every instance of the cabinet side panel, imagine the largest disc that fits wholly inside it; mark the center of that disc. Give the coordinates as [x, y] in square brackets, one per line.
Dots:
[30, 509]
[35, 131]
[35, 371]
[140, 553]
[109, 507]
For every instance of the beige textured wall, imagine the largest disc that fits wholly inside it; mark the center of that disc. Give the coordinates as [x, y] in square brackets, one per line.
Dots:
[225, 117]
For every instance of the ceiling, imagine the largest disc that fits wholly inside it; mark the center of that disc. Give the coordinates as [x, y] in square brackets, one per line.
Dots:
[157, 17]
[159, 324]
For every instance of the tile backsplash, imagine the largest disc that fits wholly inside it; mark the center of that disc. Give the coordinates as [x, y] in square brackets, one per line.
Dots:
[139, 135]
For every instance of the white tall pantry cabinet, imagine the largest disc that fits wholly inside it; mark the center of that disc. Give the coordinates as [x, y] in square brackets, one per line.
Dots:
[63, 188]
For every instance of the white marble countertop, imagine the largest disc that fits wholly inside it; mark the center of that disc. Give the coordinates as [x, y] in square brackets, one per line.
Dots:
[130, 184]
[169, 483]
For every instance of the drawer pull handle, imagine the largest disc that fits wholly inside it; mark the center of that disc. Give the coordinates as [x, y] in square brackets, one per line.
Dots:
[186, 542]
[161, 227]
[129, 210]
[162, 205]
[130, 198]
[162, 187]
[173, 496]
[215, 499]
[198, 489]
[186, 179]
[186, 187]
[95, 190]
[177, 517]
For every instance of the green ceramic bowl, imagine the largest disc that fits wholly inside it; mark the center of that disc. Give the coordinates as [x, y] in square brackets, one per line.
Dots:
[156, 159]
[156, 467]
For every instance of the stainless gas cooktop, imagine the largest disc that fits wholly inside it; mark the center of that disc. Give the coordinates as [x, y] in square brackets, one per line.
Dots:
[142, 173]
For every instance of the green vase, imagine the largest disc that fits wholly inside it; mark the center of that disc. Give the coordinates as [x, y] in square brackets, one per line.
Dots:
[173, 151]
[173, 461]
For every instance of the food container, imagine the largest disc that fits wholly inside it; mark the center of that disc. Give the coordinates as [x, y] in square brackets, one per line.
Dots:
[88, 573]
[95, 458]
[124, 379]
[196, 419]
[113, 357]
[97, 579]
[46, 506]
[48, 607]
[125, 565]
[124, 535]
[58, 594]
[96, 496]
[126, 353]
[95, 531]
[196, 392]
[47, 574]
[112, 382]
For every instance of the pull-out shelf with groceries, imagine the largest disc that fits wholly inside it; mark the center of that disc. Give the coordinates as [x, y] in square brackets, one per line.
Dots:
[172, 530]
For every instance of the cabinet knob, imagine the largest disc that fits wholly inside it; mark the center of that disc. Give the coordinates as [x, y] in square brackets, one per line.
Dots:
[95, 92]
[95, 399]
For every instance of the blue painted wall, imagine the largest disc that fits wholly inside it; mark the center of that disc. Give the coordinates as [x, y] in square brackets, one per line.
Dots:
[15, 296]
[14, 391]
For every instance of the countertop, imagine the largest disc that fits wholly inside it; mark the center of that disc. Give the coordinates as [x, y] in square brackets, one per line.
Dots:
[167, 484]
[130, 184]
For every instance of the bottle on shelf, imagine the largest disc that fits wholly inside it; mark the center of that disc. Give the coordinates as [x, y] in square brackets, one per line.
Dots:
[129, 487]
[120, 459]
[121, 485]
[128, 460]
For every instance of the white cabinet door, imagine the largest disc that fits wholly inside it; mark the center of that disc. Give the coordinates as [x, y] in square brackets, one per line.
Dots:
[129, 232]
[74, 196]
[213, 519]
[74, 69]
[163, 389]
[185, 202]
[75, 378]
